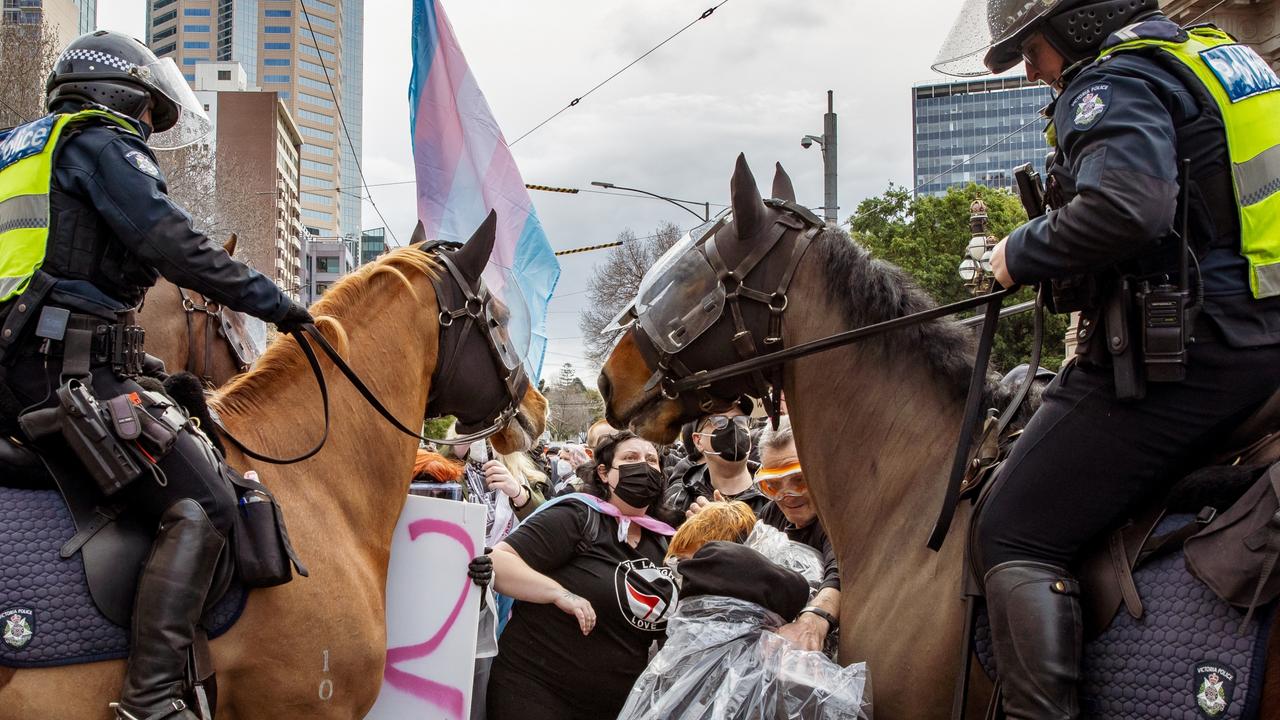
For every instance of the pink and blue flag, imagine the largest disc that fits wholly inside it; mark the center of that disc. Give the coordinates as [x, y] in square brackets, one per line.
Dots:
[464, 168]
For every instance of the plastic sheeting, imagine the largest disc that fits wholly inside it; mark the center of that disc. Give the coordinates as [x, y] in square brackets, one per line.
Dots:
[782, 550]
[721, 662]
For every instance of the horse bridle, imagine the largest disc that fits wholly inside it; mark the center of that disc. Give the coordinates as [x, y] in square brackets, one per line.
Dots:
[215, 323]
[672, 375]
[472, 308]
[472, 312]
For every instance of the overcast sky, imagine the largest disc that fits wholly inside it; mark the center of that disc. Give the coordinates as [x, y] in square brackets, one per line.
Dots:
[751, 78]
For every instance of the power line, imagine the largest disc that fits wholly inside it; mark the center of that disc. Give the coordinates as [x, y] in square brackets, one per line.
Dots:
[337, 105]
[1206, 12]
[572, 103]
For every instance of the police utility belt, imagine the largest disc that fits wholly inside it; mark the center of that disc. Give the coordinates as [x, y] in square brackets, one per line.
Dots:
[85, 341]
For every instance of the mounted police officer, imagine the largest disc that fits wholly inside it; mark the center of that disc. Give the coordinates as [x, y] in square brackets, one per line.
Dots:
[85, 229]
[1164, 370]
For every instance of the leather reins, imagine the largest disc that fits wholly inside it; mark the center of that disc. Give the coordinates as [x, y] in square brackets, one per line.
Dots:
[473, 310]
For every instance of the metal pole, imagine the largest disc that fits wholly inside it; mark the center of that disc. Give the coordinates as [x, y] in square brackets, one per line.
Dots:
[830, 205]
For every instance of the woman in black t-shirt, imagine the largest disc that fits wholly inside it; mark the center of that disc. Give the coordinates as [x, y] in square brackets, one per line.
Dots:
[591, 593]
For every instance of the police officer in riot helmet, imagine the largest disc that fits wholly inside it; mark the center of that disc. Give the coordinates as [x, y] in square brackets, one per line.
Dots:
[100, 230]
[1136, 95]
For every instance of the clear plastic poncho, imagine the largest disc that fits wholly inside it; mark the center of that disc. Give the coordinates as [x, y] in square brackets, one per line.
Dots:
[782, 550]
[722, 662]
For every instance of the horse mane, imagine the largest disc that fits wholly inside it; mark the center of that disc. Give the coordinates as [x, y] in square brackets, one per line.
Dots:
[284, 356]
[870, 290]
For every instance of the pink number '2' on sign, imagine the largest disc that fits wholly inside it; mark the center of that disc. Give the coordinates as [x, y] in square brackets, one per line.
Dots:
[449, 699]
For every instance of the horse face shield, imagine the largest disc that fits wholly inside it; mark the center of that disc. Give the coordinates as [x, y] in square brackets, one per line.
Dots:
[681, 297]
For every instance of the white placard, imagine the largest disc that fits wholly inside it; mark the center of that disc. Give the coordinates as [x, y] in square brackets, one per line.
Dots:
[432, 612]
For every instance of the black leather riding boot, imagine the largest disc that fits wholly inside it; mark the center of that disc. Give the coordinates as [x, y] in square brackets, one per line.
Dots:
[171, 597]
[1036, 633]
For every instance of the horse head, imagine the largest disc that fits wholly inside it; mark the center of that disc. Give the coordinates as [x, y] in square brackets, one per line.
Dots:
[484, 334]
[716, 297]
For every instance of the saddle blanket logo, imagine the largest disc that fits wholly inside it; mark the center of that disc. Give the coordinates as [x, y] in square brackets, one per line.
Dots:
[1090, 105]
[1241, 71]
[19, 627]
[646, 593]
[25, 141]
[1213, 684]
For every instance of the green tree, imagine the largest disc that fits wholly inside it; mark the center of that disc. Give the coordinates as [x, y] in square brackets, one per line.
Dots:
[926, 236]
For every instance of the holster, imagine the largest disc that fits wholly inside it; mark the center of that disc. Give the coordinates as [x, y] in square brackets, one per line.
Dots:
[87, 428]
[1126, 355]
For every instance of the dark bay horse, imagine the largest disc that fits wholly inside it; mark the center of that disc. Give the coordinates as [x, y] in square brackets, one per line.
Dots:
[875, 425]
[315, 647]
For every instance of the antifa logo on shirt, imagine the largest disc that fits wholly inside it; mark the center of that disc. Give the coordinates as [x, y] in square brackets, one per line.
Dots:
[646, 593]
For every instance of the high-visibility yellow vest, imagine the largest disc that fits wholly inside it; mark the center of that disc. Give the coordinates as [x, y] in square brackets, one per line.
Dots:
[26, 174]
[1247, 92]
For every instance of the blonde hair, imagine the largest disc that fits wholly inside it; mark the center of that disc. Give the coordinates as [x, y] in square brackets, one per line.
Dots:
[732, 521]
[522, 467]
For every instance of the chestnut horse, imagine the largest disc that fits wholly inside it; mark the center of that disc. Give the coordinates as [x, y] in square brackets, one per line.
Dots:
[875, 425]
[315, 647]
[186, 331]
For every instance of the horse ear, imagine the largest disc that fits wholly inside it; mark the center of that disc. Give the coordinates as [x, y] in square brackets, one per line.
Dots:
[419, 234]
[474, 253]
[748, 207]
[782, 188]
[230, 245]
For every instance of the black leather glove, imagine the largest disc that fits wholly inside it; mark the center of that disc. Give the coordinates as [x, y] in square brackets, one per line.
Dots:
[294, 318]
[480, 570]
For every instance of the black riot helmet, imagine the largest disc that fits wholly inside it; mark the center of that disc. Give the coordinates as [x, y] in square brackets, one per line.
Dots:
[987, 36]
[120, 73]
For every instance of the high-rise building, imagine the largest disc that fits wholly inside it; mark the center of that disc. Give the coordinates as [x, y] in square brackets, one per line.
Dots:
[952, 122]
[68, 18]
[257, 149]
[328, 259]
[308, 52]
[372, 244]
[1255, 23]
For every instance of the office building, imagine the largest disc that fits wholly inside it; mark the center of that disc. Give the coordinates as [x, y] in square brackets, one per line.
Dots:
[68, 19]
[328, 259]
[372, 244]
[257, 149]
[952, 122]
[1255, 23]
[308, 52]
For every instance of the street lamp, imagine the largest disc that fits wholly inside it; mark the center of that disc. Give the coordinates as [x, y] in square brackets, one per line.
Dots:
[827, 142]
[682, 204]
[975, 268]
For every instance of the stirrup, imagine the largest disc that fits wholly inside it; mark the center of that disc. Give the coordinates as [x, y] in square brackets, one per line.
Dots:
[175, 706]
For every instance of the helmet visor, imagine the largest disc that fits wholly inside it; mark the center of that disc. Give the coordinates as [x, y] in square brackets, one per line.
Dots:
[192, 123]
[981, 26]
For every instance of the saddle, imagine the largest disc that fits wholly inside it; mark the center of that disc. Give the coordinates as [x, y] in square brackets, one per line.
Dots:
[111, 542]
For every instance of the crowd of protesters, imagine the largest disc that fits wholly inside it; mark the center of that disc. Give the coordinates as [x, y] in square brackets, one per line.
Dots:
[595, 545]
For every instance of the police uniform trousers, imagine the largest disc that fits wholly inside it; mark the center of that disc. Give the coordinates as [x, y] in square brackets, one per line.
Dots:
[1086, 460]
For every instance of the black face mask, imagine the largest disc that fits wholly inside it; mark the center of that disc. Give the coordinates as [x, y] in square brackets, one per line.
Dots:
[639, 484]
[732, 442]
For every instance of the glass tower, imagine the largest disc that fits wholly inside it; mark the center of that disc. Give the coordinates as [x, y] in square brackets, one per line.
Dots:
[310, 52]
[952, 122]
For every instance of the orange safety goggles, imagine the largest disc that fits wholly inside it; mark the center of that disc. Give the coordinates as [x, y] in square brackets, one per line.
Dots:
[773, 481]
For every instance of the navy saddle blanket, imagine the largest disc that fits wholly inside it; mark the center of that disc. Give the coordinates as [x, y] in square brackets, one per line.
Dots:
[47, 616]
[1184, 660]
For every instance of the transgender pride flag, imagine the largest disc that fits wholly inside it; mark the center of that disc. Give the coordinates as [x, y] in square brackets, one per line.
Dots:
[464, 168]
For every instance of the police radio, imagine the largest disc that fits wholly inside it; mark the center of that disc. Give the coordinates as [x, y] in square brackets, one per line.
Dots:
[1166, 308]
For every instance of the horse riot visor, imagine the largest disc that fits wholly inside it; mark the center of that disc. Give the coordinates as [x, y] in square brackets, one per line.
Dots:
[1247, 93]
